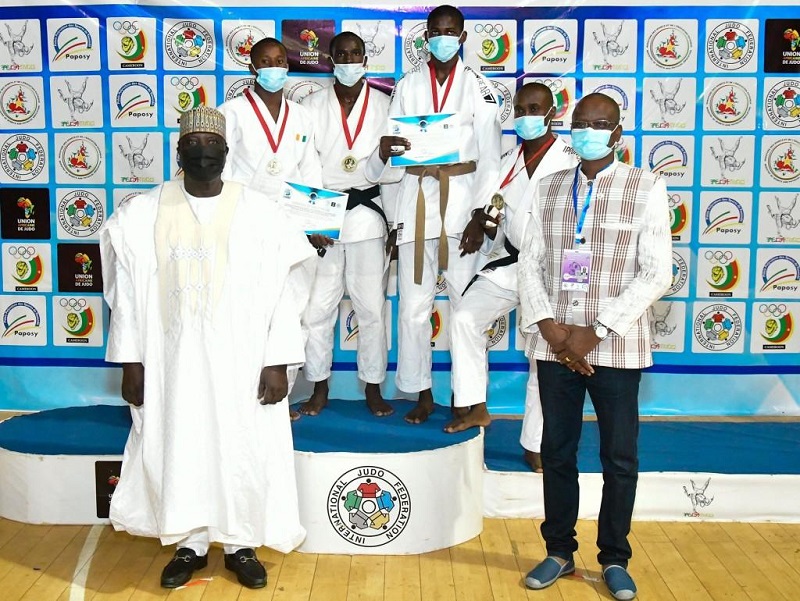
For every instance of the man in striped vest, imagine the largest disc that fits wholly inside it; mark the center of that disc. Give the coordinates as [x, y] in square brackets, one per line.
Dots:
[596, 255]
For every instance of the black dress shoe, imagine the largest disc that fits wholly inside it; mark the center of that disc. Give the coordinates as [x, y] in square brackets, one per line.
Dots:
[180, 569]
[249, 571]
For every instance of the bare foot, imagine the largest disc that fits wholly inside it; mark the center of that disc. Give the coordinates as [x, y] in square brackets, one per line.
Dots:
[476, 416]
[423, 409]
[318, 400]
[534, 461]
[294, 415]
[457, 411]
[375, 403]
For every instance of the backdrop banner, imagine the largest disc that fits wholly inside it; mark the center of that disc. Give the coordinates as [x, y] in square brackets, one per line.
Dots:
[91, 94]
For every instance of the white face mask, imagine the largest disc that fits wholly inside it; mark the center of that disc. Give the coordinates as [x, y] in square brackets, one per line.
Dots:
[349, 74]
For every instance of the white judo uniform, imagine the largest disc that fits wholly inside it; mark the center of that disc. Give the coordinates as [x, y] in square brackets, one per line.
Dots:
[494, 291]
[251, 159]
[472, 98]
[181, 276]
[358, 259]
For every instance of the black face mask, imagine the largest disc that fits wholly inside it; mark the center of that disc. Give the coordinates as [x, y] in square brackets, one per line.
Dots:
[203, 163]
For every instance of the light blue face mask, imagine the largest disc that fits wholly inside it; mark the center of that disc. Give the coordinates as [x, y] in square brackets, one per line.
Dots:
[530, 127]
[349, 74]
[591, 144]
[444, 47]
[272, 79]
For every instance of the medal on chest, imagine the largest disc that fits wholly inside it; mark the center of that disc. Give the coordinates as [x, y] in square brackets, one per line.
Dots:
[274, 166]
[349, 163]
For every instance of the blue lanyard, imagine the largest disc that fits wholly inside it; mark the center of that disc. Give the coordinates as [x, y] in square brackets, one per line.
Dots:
[582, 218]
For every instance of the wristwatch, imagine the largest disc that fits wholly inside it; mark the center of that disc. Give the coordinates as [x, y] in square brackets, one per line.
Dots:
[600, 330]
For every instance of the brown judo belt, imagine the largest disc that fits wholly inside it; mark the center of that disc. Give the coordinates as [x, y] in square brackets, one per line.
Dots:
[443, 173]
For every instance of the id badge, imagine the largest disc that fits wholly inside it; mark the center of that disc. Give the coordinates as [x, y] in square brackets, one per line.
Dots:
[576, 268]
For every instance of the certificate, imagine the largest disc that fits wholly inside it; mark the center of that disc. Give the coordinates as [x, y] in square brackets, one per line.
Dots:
[317, 210]
[435, 139]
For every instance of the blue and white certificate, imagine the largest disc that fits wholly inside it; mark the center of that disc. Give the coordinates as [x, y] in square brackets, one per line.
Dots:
[317, 210]
[435, 139]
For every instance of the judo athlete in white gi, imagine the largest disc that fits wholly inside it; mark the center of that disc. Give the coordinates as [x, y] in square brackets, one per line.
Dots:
[197, 275]
[493, 292]
[350, 119]
[271, 138]
[427, 242]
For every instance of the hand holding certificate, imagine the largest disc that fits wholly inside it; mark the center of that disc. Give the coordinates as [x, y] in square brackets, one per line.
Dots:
[319, 211]
[435, 139]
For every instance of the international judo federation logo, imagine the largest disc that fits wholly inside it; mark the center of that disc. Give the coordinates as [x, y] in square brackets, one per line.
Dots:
[680, 273]
[415, 47]
[369, 506]
[496, 332]
[778, 325]
[23, 157]
[698, 498]
[669, 46]
[19, 102]
[782, 104]
[189, 44]
[728, 103]
[505, 100]
[80, 213]
[496, 45]
[717, 327]
[731, 45]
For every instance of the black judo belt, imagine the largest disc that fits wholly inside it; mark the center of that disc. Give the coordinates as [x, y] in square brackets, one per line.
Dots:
[510, 259]
[364, 198]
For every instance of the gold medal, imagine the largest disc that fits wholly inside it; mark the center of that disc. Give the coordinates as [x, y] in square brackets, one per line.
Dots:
[273, 167]
[349, 163]
[498, 202]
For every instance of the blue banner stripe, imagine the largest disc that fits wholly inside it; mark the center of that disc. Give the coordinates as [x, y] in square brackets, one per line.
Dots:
[495, 367]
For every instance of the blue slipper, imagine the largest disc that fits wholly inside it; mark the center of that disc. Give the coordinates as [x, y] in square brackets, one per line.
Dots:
[547, 572]
[619, 582]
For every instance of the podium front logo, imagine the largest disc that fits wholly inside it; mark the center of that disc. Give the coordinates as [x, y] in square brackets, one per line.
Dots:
[369, 506]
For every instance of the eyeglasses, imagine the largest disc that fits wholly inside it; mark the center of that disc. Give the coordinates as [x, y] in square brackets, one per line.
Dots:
[599, 124]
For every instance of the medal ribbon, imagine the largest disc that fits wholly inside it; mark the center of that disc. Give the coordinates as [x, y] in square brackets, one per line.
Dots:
[352, 140]
[435, 87]
[263, 123]
[509, 177]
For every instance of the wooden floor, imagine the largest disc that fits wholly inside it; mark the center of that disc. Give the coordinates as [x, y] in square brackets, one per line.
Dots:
[671, 561]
